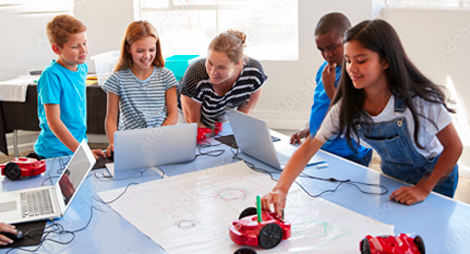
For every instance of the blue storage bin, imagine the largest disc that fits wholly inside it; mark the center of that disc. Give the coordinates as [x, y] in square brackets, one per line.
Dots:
[178, 64]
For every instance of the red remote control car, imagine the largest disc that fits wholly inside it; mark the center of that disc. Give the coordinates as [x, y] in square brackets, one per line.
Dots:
[268, 233]
[401, 244]
[21, 167]
[203, 133]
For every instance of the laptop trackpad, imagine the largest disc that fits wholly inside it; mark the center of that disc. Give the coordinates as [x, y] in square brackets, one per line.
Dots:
[7, 206]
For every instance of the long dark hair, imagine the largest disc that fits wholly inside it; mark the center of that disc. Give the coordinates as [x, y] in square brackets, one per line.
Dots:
[403, 78]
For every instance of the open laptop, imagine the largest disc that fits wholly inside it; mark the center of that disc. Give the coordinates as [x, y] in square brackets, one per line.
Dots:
[150, 147]
[48, 202]
[253, 138]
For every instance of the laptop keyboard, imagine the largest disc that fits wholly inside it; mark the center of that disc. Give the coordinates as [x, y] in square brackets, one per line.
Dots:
[35, 203]
[282, 158]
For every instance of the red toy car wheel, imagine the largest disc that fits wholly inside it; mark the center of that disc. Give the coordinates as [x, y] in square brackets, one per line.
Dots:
[420, 244]
[270, 236]
[365, 246]
[12, 171]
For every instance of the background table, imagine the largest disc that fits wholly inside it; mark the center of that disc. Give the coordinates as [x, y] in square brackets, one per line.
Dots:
[24, 116]
[443, 223]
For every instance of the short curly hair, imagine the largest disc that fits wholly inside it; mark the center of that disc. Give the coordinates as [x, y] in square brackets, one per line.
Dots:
[61, 27]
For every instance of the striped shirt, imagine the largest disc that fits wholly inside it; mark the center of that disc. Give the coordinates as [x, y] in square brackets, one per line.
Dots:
[197, 85]
[142, 102]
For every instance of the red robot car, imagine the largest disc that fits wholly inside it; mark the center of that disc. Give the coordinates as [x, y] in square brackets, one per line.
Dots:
[22, 167]
[401, 244]
[268, 233]
[203, 133]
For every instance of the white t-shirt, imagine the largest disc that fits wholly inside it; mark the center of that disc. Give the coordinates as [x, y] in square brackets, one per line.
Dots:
[436, 113]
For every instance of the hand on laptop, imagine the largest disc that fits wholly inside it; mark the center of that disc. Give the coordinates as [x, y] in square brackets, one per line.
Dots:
[97, 153]
[6, 229]
[297, 137]
[110, 150]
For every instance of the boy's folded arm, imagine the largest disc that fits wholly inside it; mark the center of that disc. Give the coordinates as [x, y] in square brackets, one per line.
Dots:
[58, 127]
[329, 78]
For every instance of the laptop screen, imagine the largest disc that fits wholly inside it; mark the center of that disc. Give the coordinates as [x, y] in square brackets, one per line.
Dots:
[74, 174]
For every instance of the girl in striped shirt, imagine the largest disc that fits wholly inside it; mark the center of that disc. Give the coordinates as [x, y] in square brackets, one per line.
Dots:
[140, 89]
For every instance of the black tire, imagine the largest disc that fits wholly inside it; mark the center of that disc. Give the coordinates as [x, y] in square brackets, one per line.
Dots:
[420, 244]
[12, 171]
[245, 250]
[34, 156]
[365, 246]
[248, 211]
[270, 236]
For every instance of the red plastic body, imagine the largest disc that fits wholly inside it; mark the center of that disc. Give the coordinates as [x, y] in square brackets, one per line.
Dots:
[246, 230]
[203, 133]
[401, 244]
[28, 166]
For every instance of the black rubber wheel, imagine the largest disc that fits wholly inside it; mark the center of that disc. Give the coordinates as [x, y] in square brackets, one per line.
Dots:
[248, 211]
[33, 155]
[12, 171]
[270, 236]
[420, 244]
[245, 250]
[365, 246]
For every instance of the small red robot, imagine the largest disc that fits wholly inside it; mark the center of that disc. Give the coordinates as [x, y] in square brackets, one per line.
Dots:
[401, 244]
[203, 133]
[268, 233]
[21, 167]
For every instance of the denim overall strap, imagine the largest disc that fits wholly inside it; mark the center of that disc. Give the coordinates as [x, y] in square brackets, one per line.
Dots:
[394, 144]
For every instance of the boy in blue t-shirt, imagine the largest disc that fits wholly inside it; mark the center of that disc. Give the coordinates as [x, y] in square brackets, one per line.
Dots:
[62, 90]
[329, 39]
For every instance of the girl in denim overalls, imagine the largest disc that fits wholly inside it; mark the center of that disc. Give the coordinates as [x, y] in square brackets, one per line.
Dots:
[385, 101]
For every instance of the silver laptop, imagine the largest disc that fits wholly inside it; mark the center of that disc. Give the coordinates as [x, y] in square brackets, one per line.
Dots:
[253, 138]
[48, 202]
[144, 148]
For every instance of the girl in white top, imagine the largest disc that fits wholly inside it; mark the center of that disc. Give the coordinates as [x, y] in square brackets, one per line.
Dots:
[141, 89]
[385, 101]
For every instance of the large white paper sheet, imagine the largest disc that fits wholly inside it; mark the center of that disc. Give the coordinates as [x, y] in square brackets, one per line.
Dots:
[191, 213]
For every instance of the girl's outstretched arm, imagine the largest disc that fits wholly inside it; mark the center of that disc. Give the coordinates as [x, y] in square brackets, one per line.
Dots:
[294, 167]
[452, 150]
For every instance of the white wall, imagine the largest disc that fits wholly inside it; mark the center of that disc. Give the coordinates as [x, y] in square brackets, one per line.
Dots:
[24, 44]
[106, 21]
[438, 43]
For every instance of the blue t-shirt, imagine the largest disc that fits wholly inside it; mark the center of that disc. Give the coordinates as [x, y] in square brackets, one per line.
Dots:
[321, 103]
[59, 85]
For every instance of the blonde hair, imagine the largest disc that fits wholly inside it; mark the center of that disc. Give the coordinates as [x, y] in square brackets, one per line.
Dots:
[135, 31]
[62, 27]
[230, 42]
